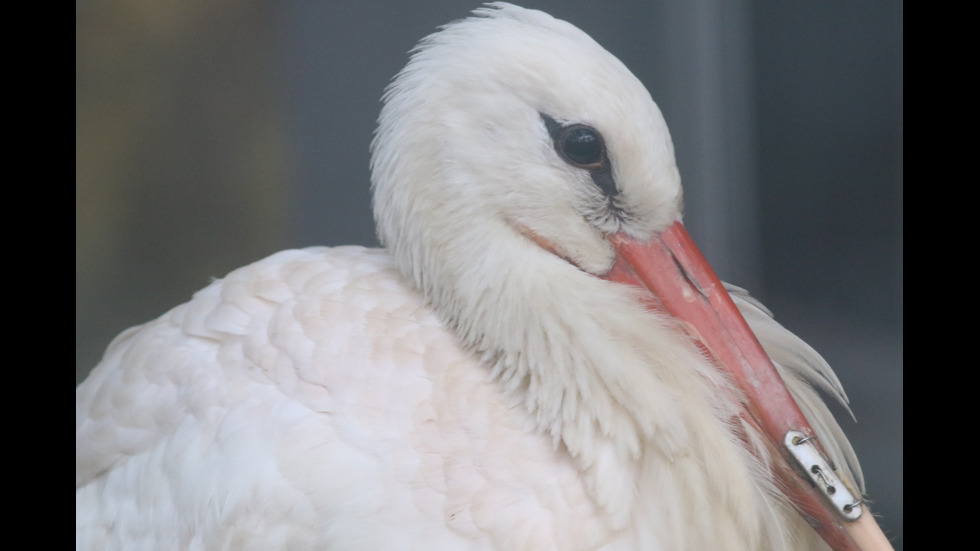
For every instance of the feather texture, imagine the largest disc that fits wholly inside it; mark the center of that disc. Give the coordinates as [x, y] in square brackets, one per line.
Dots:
[312, 399]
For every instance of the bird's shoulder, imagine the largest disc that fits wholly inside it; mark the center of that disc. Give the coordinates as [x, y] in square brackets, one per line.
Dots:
[320, 385]
[288, 322]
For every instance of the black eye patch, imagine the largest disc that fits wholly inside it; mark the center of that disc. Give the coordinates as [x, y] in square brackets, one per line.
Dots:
[582, 146]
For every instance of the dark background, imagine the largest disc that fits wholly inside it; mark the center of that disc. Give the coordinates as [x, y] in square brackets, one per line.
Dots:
[210, 134]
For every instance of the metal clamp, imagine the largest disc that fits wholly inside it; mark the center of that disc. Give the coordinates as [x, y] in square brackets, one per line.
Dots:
[822, 475]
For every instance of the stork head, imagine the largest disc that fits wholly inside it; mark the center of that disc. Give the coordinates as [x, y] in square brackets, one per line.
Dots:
[513, 121]
[515, 157]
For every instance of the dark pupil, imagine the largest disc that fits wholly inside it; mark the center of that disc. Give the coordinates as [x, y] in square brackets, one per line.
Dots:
[582, 146]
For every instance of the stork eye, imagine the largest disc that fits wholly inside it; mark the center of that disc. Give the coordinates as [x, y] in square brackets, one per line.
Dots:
[581, 146]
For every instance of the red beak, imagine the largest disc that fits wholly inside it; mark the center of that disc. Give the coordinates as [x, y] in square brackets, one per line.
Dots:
[682, 284]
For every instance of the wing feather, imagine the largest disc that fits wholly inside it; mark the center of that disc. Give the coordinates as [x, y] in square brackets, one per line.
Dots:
[805, 373]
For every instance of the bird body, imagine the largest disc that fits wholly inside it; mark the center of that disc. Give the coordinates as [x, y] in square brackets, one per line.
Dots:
[477, 384]
[313, 400]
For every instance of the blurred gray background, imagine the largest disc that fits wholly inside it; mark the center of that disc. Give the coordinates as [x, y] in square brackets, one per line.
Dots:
[210, 134]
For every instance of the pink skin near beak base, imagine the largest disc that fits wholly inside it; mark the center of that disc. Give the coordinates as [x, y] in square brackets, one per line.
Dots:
[682, 284]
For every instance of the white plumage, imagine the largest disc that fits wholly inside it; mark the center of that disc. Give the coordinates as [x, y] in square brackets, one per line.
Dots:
[472, 386]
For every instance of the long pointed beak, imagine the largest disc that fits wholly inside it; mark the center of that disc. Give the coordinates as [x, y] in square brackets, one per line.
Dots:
[682, 283]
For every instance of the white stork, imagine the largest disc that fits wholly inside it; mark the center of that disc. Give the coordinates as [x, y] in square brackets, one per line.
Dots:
[538, 358]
